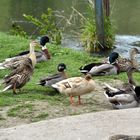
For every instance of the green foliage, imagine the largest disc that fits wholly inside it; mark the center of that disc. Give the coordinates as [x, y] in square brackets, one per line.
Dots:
[109, 33]
[89, 35]
[18, 31]
[46, 25]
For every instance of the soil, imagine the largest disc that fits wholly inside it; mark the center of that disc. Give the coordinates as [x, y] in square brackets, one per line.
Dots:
[96, 101]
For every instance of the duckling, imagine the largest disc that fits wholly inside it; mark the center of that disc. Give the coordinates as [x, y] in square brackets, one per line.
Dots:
[126, 97]
[52, 79]
[107, 68]
[75, 86]
[21, 75]
[40, 55]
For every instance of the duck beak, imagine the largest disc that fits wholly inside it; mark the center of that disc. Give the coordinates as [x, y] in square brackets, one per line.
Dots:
[36, 44]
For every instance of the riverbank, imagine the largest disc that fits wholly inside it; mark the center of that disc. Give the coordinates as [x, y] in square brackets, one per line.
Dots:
[35, 103]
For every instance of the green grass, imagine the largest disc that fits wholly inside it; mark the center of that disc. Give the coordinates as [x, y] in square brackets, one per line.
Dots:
[31, 92]
[11, 45]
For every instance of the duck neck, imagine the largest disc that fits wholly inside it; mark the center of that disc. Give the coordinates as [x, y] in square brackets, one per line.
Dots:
[32, 55]
[32, 48]
[130, 77]
[46, 52]
[133, 60]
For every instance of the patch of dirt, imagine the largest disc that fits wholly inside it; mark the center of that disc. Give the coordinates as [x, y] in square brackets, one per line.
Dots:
[96, 101]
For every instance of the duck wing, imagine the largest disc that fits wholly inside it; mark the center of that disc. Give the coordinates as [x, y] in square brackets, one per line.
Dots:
[52, 79]
[20, 75]
[12, 63]
[87, 68]
[101, 69]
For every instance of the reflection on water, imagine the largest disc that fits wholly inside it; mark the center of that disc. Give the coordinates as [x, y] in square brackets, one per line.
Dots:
[13, 10]
[124, 13]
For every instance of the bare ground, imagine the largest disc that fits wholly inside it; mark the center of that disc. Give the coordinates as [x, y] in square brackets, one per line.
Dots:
[93, 102]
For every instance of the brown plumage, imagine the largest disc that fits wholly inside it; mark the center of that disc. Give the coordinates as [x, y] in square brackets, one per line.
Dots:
[13, 62]
[76, 86]
[21, 74]
[125, 63]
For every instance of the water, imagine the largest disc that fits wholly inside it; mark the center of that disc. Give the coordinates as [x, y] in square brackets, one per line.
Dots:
[124, 13]
[124, 43]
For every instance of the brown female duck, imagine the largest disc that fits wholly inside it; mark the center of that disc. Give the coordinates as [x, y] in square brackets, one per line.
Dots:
[21, 74]
[42, 55]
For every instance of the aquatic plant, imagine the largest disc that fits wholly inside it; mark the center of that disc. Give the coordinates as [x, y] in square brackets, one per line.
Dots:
[88, 32]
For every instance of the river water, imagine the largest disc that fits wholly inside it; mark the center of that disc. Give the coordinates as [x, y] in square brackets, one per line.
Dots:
[124, 14]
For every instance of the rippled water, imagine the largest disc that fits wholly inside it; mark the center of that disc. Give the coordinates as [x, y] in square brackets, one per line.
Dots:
[124, 43]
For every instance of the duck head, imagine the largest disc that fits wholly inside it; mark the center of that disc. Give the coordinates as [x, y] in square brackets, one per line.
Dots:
[43, 41]
[113, 57]
[61, 67]
[134, 51]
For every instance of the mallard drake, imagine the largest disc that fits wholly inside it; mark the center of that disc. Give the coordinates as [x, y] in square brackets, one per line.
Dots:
[21, 75]
[106, 68]
[40, 55]
[125, 97]
[52, 79]
[75, 86]
[125, 63]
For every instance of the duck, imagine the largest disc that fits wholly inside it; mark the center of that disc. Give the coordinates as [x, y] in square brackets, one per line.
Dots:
[42, 55]
[125, 63]
[21, 74]
[124, 97]
[75, 86]
[52, 79]
[101, 68]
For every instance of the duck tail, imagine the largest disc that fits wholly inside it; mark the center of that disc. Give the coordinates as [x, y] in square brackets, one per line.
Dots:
[42, 83]
[111, 88]
[55, 86]
[6, 88]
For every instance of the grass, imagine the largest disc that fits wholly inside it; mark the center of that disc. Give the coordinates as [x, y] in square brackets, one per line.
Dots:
[31, 91]
[22, 104]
